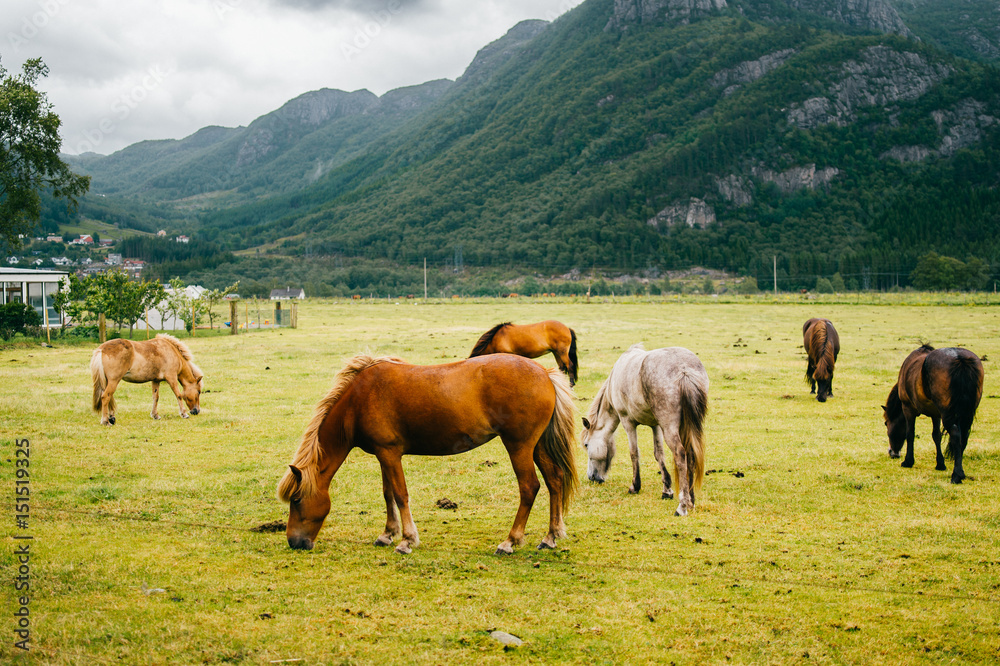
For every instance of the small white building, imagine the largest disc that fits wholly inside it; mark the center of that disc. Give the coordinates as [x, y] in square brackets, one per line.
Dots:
[36, 288]
[161, 320]
[13, 261]
[62, 261]
[182, 239]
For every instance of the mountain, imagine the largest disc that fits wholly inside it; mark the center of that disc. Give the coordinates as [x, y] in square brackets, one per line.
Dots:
[633, 135]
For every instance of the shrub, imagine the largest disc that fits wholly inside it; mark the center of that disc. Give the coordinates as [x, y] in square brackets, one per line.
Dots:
[17, 318]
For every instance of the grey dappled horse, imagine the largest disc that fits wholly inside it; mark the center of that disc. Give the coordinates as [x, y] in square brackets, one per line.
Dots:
[665, 389]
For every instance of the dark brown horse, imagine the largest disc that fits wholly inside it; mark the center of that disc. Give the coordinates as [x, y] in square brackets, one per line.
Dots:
[532, 341]
[389, 408]
[822, 344]
[944, 384]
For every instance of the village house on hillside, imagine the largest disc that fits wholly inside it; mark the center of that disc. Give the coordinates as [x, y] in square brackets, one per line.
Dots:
[288, 294]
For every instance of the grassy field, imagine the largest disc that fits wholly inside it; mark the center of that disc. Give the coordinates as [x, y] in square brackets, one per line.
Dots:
[807, 545]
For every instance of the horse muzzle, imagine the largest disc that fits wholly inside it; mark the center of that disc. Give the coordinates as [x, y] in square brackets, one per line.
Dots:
[195, 411]
[300, 543]
[596, 479]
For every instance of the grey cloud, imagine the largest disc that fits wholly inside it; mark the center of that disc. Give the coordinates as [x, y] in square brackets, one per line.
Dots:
[357, 6]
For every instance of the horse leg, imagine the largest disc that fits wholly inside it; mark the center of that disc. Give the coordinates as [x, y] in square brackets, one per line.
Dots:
[910, 422]
[809, 374]
[521, 459]
[936, 434]
[668, 489]
[391, 517]
[175, 387]
[392, 466]
[672, 436]
[633, 449]
[957, 439]
[107, 398]
[553, 477]
[156, 398]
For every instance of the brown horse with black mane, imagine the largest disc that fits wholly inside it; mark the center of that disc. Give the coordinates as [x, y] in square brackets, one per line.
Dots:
[944, 384]
[822, 344]
[532, 341]
[164, 358]
[389, 408]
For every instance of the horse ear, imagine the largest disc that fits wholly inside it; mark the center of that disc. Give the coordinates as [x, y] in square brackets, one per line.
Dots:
[296, 472]
[586, 423]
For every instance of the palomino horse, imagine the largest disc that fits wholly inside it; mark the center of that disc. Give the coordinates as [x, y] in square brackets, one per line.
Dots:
[164, 358]
[389, 408]
[665, 389]
[822, 344]
[532, 341]
[944, 384]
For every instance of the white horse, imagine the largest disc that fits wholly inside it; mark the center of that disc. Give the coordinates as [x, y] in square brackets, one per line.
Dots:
[665, 389]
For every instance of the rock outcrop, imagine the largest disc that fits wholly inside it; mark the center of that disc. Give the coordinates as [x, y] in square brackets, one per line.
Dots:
[881, 76]
[877, 15]
[959, 127]
[493, 56]
[628, 12]
[749, 71]
[694, 213]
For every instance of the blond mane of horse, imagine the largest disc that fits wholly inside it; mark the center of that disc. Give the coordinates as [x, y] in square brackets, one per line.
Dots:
[595, 405]
[310, 450]
[185, 353]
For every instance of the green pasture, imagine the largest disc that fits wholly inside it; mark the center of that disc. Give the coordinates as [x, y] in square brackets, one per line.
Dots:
[807, 543]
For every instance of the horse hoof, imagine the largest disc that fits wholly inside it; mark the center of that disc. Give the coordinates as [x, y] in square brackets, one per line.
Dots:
[185, 416]
[383, 541]
[632, 490]
[544, 545]
[504, 549]
[404, 549]
[155, 417]
[893, 454]
[667, 496]
[956, 481]
[941, 467]
[906, 463]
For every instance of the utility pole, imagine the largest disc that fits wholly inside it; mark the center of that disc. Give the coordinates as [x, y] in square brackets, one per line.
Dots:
[425, 278]
[775, 275]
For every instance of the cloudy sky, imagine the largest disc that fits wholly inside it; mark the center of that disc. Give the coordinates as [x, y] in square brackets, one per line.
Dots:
[122, 72]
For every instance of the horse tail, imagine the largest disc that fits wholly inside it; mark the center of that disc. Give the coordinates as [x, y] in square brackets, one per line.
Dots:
[573, 365]
[966, 378]
[100, 379]
[559, 438]
[821, 350]
[694, 407]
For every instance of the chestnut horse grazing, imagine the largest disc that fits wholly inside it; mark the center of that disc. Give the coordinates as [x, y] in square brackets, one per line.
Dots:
[164, 358]
[532, 341]
[389, 408]
[944, 384]
[822, 344]
[665, 389]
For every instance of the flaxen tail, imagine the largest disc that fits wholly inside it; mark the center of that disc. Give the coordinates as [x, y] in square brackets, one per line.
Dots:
[559, 438]
[694, 408]
[100, 380]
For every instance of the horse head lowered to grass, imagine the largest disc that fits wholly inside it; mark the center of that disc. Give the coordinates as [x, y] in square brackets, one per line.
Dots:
[389, 408]
[665, 389]
[944, 384]
[164, 358]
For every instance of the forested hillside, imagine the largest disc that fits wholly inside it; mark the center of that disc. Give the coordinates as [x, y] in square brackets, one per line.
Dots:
[628, 136]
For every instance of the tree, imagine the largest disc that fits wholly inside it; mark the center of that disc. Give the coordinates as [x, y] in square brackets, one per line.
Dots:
[837, 282]
[29, 153]
[215, 296]
[747, 286]
[824, 286]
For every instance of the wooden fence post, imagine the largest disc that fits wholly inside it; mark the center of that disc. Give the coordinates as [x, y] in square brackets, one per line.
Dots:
[102, 330]
[277, 315]
[194, 320]
[295, 315]
[233, 324]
